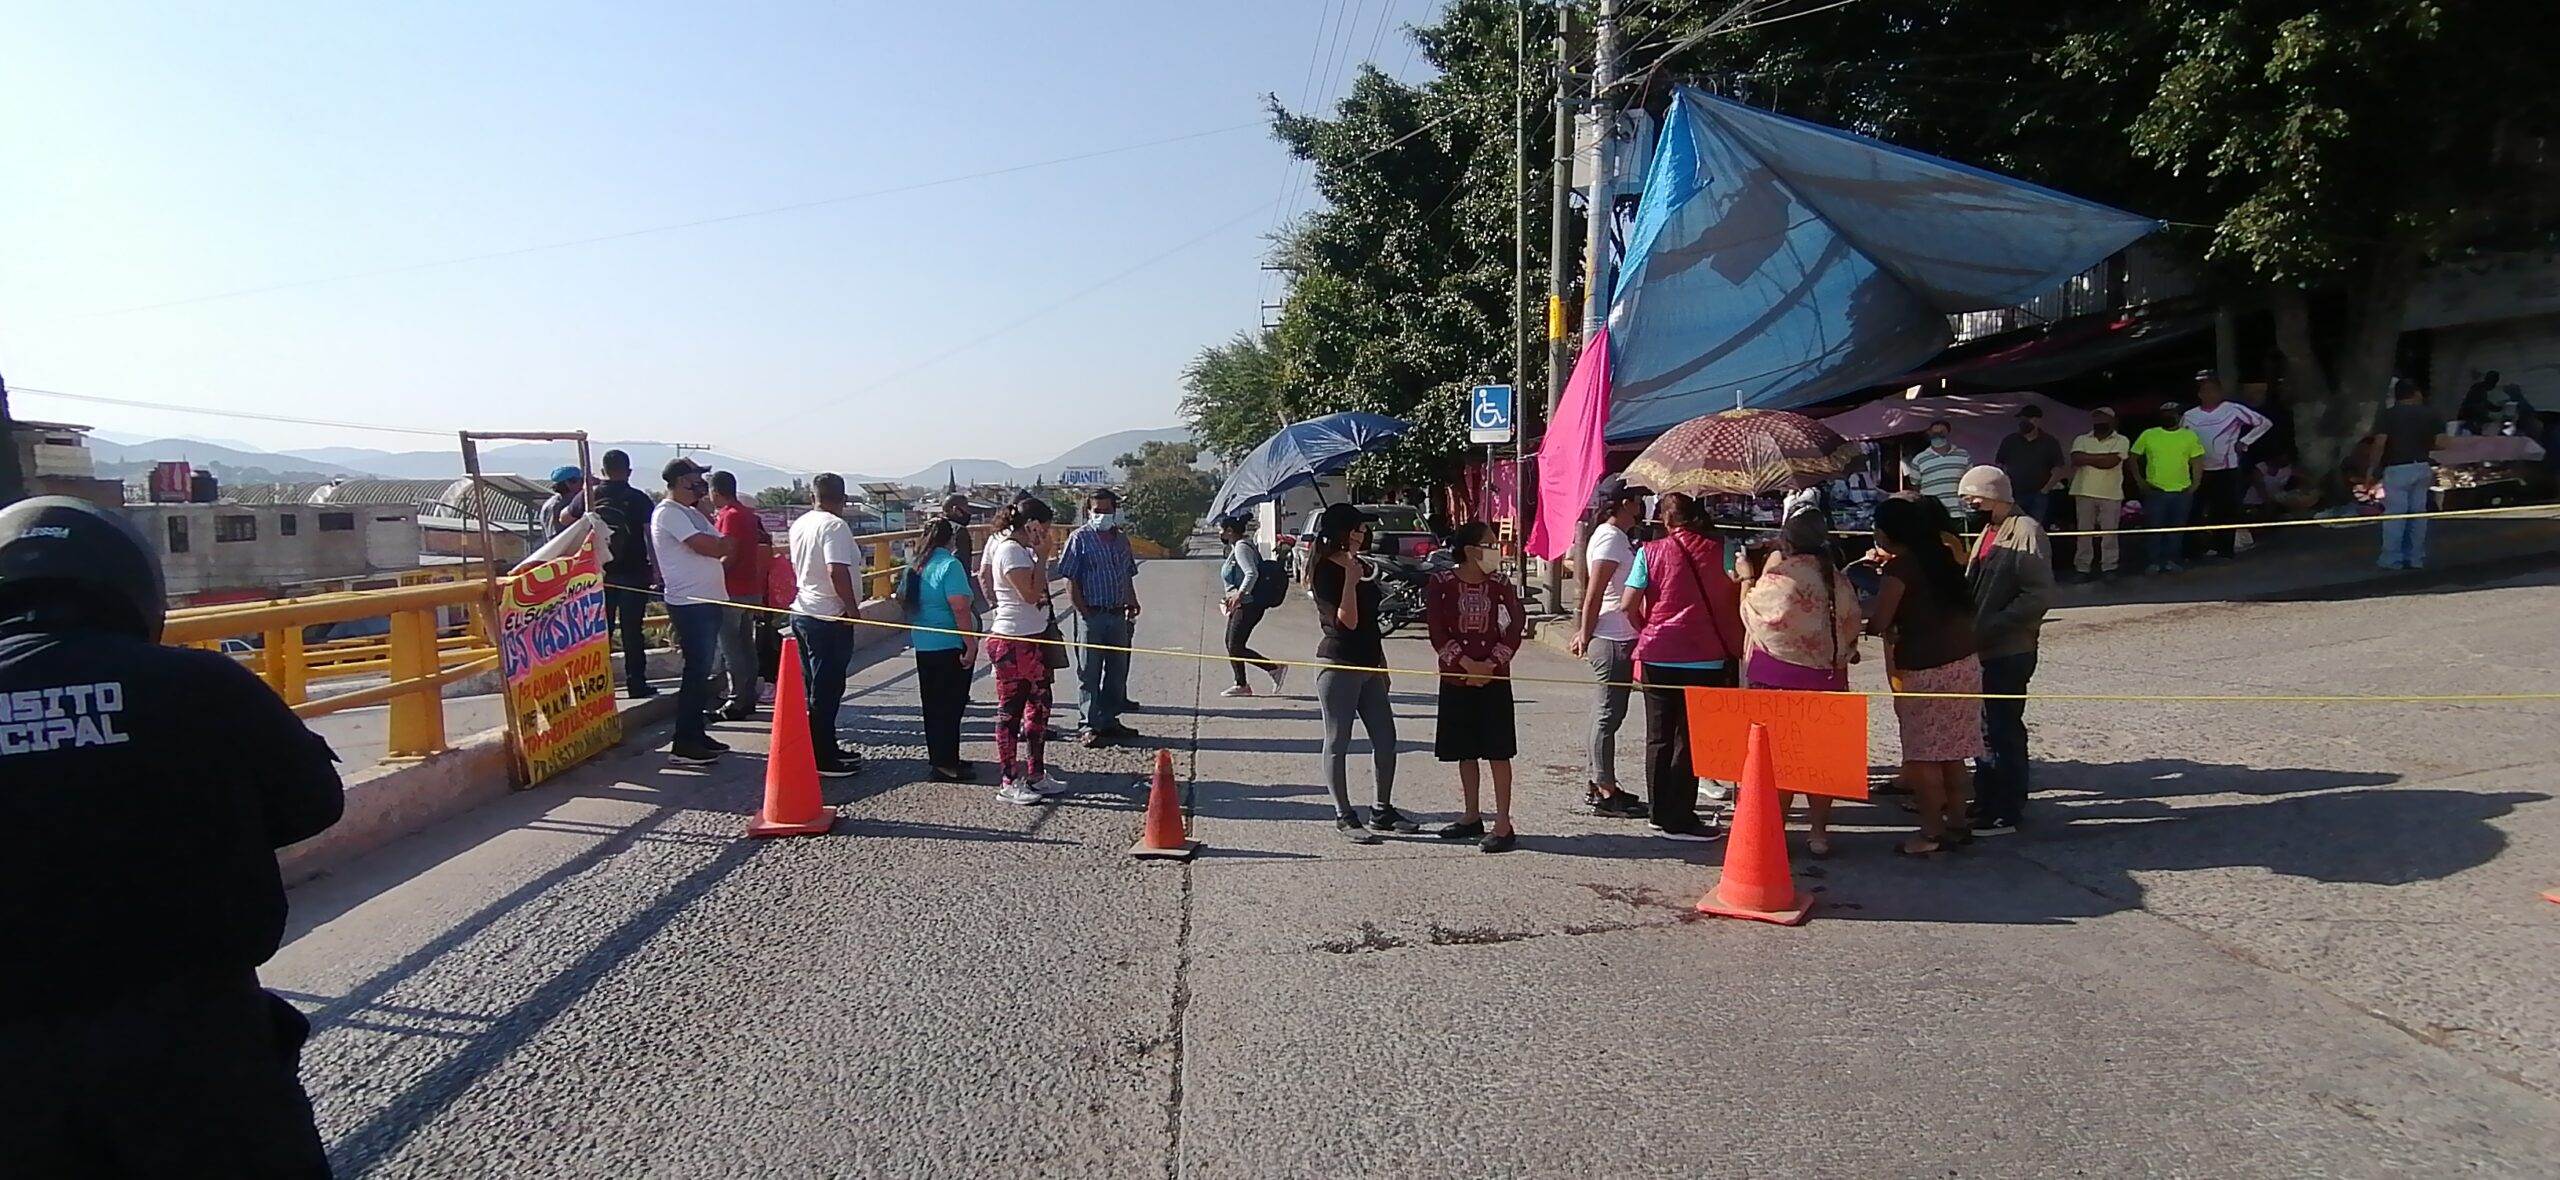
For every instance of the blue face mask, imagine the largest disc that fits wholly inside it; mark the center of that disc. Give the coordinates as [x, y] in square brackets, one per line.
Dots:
[1104, 520]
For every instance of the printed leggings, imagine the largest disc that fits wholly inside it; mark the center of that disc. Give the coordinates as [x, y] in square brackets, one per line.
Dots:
[1023, 696]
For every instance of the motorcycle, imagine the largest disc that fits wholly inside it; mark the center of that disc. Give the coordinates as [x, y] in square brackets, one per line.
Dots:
[1401, 582]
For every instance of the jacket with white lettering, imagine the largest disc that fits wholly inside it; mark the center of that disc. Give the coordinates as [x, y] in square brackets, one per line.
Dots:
[143, 793]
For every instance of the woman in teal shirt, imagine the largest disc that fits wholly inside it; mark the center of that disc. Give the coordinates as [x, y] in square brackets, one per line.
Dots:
[938, 599]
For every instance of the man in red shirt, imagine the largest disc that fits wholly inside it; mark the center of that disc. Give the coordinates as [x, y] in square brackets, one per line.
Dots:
[744, 569]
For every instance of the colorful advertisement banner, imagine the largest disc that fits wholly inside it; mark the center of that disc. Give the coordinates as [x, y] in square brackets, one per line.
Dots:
[551, 638]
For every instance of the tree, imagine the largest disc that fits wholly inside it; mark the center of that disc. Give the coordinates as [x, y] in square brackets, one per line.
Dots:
[1234, 395]
[1165, 494]
[2342, 144]
[791, 497]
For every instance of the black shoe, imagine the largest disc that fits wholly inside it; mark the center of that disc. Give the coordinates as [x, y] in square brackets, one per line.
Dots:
[1995, 827]
[1621, 805]
[1499, 842]
[1097, 739]
[1132, 707]
[1696, 830]
[709, 743]
[963, 773]
[1470, 830]
[1055, 734]
[1388, 819]
[736, 714]
[837, 767]
[639, 690]
[1348, 824]
[1121, 731]
[696, 755]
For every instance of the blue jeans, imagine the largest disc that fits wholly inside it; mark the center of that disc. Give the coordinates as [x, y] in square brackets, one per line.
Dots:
[697, 628]
[2000, 775]
[826, 651]
[2167, 510]
[1102, 677]
[2404, 489]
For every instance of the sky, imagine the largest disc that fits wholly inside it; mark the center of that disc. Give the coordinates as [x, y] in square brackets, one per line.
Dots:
[259, 208]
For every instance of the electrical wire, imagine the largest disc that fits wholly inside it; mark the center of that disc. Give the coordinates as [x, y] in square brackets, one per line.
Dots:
[681, 225]
[250, 415]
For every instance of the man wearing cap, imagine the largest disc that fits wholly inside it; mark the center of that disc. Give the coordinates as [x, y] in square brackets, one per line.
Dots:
[2033, 460]
[147, 789]
[2011, 576]
[2168, 460]
[689, 550]
[562, 509]
[1606, 640]
[2097, 493]
[2227, 428]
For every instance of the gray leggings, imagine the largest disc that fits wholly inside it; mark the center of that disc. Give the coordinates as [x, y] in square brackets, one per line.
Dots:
[1342, 695]
[1613, 665]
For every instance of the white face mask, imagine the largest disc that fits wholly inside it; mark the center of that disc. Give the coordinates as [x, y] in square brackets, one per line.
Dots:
[1489, 560]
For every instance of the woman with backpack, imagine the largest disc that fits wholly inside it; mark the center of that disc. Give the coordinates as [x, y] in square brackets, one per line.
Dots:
[1254, 585]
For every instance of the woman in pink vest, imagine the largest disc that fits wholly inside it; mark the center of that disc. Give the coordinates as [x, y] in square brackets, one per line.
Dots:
[1688, 617]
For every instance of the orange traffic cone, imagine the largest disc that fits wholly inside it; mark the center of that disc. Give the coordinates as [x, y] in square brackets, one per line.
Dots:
[1757, 882]
[1163, 837]
[791, 803]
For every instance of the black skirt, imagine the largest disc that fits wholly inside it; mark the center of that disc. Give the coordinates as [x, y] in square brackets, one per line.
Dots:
[1476, 723]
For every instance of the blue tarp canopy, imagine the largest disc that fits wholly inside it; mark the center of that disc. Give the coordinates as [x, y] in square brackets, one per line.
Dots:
[1787, 262]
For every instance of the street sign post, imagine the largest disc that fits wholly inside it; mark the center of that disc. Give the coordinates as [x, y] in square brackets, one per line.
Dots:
[1489, 418]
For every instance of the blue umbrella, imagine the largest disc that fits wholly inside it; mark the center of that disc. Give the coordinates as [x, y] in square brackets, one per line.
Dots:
[1301, 453]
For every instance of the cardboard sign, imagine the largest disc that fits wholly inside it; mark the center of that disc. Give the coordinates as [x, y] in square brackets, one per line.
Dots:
[559, 679]
[1817, 740]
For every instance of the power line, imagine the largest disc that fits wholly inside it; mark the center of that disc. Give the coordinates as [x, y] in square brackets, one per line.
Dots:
[212, 412]
[796, 207]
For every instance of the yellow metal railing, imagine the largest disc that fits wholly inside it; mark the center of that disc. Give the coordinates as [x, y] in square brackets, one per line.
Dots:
[418, 660]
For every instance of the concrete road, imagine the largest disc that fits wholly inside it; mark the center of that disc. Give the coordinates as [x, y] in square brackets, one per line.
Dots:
[2261, 940]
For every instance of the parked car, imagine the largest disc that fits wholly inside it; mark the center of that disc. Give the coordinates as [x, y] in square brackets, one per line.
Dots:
[1400, 533]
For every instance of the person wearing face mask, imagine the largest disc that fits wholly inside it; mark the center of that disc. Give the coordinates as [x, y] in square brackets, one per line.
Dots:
[689, 550]
[1688, 617]
[2033, 460]
[2097, 494]
[1934, 470]
[2010, 578]
[1606, 640]
[2171, 464]
[1353, 686]
[1016, 658]
[1475, 625]
[1102, 585]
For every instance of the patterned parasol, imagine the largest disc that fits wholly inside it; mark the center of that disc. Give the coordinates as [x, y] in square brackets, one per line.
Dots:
[1743, 452]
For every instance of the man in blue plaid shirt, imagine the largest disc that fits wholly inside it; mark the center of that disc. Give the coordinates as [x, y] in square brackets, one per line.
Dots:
[1102, 584]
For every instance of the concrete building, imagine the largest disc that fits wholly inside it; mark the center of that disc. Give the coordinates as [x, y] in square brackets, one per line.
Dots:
[230, 552]
[446, 511]
[54, 456]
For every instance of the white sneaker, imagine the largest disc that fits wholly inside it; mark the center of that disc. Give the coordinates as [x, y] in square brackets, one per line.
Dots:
[1237, 691]
[1720, 792]
[1049, 786]
[1280, 681]
[1019, 795]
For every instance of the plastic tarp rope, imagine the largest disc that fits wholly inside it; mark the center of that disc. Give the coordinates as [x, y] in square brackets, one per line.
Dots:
[1777, 262]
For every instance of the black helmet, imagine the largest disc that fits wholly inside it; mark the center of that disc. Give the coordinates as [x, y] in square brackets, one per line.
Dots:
[82, 548]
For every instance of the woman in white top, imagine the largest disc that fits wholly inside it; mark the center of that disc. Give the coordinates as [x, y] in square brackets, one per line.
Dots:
[1019, 661]
[1606, 640]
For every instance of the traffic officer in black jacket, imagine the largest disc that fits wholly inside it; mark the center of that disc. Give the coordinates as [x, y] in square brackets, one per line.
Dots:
[143, 793]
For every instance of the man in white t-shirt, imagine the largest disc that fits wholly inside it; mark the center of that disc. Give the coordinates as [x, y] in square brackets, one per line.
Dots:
[689, 550]
[1607, 640]
[826, 564]
[2227, 428]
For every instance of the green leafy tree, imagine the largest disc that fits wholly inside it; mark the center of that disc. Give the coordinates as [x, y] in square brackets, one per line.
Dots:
[791, 497]
[1235, 394]
[1165, 494]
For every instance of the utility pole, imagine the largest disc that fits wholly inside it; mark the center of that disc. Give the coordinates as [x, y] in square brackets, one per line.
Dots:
[1559, 258]
[1602, 206]
[1520, 197]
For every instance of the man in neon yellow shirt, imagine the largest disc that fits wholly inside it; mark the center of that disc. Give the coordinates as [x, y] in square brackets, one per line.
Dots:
[2169, 462]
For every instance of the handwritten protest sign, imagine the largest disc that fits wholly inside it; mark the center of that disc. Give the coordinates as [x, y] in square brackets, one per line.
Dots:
[1817, 740]
[551, 637]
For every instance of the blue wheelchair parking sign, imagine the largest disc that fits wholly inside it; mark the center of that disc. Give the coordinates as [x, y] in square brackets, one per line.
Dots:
[1489, 414]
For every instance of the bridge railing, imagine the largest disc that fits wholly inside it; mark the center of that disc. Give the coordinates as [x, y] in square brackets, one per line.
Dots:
[416, 657]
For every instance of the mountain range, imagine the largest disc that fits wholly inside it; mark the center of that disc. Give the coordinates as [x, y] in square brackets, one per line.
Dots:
[236, 463]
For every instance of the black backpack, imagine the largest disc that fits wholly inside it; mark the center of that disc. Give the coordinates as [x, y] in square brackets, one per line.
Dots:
[1270, 582]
